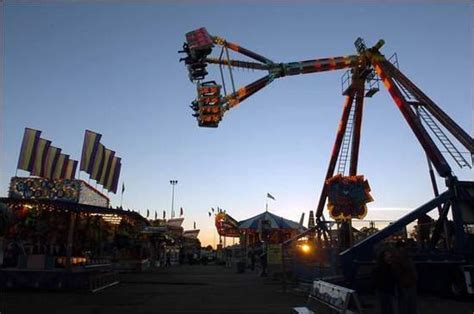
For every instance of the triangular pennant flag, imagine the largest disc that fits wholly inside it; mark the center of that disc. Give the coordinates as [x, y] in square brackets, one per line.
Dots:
[270, 196]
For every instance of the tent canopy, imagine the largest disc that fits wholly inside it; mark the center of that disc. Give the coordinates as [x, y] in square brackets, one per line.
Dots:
[276, 222]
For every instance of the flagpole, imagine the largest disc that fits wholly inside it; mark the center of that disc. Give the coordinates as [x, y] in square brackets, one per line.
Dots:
[266, 203]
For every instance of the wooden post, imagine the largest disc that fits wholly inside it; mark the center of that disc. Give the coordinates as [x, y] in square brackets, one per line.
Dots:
[70, 234]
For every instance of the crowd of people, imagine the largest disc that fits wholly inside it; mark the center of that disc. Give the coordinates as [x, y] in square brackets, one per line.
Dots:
[395, 281]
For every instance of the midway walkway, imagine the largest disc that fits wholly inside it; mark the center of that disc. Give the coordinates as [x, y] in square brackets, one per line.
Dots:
[189, 289]
[178, 289]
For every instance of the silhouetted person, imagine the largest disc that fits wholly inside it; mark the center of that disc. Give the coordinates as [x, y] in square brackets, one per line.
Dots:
[406, 280]
[228, 258]
[385, 283]
[252, 259]
[424, 229]
[263, 261]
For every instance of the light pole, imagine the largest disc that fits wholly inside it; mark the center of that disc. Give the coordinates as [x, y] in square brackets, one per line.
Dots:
[173, 183]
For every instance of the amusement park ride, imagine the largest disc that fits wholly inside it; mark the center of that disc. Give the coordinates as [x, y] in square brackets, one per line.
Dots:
[347, 192]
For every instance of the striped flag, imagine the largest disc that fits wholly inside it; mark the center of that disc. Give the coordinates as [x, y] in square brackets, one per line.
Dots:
[70, 171]
[108, 158]
[270, 196]
[28, 148]
[89, 150]
[60, 168]
[50, 162]
[40, 156]
[181, 213]
[113, 175]
[98, 163]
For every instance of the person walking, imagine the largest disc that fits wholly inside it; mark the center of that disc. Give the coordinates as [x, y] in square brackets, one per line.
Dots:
[385, 283]
[168, 259]
[406, 280]
[228, 258]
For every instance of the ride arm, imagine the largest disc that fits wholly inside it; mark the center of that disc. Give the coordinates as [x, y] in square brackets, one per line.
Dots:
[238, 64]
[242, 93]
[317, 65]
[284, 69]
[237, 48]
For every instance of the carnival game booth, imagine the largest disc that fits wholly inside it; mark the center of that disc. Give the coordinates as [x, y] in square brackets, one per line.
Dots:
[174, 244]
[192, 247]
[226, 226]
[62, 234]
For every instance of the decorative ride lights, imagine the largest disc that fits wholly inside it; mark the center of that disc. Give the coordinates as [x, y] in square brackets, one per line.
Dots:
[348, 197]
[208, 111]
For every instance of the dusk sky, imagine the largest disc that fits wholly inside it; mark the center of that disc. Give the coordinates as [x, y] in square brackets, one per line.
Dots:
[113, 68]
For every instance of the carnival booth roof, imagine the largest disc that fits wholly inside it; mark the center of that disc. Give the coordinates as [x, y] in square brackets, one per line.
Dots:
[79, 208]
[276, 222]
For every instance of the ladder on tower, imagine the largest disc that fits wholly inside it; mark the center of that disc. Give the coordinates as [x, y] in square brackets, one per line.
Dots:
[443, 139]
[346, 142]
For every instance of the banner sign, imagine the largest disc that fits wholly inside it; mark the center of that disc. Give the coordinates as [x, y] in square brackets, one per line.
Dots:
[274, 252]
[72, 191]
[226, 225]
[40, 188]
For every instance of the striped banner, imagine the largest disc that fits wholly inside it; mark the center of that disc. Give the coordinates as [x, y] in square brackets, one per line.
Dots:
[98, 163]
[40, 156]
[70, 171]
[116, 176]
[112, 181]
[108, 159]
[28, 147]
[89, 150]
[50, 162]
[60, 166]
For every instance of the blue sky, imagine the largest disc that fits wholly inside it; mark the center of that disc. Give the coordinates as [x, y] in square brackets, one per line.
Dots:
[113, 68]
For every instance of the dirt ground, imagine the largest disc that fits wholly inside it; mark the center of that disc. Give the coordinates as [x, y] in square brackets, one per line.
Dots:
[188, 289]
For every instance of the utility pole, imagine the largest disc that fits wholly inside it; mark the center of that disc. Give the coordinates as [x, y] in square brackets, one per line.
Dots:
[173, 183]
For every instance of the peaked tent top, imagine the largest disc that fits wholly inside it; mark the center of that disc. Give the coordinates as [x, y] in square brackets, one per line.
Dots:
[276, 222]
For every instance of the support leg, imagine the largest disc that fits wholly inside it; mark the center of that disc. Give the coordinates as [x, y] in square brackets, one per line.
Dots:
[335, 152]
